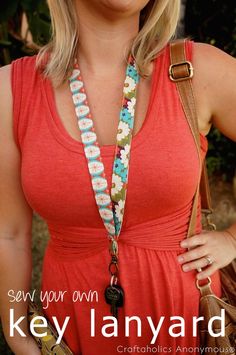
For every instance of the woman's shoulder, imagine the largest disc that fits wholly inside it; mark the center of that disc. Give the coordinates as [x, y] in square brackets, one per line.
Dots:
[15, 78]
[210, 49]
[5, 87]
[5, 72]
[212, 59]
[6, 106]
[26, 60]
[19, 68]
[214, 84]
[25, 65]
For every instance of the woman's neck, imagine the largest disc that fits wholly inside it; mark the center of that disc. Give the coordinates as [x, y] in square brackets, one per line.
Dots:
[104, 44]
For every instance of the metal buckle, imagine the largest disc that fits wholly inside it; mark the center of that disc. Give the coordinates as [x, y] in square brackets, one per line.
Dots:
[190, 70]
[207, 223]
[200, 287]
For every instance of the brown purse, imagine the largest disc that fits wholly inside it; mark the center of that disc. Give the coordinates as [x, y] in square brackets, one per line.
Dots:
[181, 72]
[47, 344]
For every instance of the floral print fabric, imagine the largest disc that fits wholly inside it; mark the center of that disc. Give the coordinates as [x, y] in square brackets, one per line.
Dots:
[110, 205]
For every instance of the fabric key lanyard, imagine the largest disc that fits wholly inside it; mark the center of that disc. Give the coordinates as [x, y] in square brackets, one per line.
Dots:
[110, 205]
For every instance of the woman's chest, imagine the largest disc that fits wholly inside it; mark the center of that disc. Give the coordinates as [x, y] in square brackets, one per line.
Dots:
[104, 99]
[162, 174]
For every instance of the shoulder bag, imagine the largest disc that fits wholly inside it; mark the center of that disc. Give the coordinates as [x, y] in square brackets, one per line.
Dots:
[47, 344]
[181, 73]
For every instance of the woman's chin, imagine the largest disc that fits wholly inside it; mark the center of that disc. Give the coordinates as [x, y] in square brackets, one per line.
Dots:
[126, 6]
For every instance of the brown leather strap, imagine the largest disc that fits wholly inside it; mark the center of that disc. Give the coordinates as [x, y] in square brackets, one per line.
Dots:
[181, 72]
[205, 190]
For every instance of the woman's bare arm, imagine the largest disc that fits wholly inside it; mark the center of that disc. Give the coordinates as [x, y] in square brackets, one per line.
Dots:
[215, 94]
[15, 226]
[215, 86]
[215, 89]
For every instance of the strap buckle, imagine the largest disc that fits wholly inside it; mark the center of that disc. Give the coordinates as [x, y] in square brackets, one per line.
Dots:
[184, 73]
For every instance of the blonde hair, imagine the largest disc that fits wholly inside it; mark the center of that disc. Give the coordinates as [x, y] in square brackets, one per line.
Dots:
[158, 22]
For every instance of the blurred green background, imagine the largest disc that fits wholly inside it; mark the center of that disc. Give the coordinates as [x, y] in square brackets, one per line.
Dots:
[25, 25]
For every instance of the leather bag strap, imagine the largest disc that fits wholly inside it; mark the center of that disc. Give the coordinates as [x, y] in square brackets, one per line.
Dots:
[181, 73]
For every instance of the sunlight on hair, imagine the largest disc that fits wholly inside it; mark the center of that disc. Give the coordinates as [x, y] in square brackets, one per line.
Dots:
[159, 26]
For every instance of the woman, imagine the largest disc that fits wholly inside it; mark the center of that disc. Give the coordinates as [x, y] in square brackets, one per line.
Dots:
[43, 168]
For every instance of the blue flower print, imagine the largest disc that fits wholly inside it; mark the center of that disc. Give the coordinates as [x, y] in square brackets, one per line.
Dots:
[126, 117]
[117, 224]
[133, 73]
[120, 170]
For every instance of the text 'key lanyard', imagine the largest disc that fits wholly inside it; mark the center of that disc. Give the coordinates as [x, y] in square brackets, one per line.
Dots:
[110, 205]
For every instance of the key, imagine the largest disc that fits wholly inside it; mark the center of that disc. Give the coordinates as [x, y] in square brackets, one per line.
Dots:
[114, 295]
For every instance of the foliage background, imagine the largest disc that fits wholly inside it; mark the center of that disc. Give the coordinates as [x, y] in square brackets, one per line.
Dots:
[12, 43]
[214, 22]
[210, 21]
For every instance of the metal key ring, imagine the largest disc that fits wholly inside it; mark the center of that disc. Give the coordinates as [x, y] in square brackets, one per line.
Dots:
[112, 280]
[113, 268]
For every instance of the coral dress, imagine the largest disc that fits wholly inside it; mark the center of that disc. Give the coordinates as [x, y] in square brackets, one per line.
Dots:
[162, 181]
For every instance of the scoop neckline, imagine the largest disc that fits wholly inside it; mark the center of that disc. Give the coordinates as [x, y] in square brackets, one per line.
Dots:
[62, 135]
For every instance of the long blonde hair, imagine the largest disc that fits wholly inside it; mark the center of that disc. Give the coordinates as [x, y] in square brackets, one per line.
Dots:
[158, 22]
